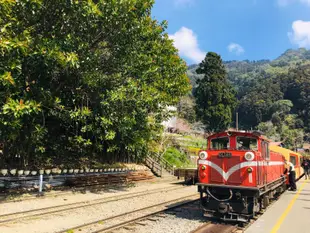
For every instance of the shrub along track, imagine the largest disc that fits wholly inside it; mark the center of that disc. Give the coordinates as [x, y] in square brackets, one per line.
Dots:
[128, 218]
[72, 206]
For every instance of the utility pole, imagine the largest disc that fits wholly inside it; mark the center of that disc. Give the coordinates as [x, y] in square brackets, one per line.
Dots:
[237, 121]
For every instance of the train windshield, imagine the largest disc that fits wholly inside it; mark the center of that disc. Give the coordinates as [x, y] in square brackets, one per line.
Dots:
[246, 143]
[220, 143]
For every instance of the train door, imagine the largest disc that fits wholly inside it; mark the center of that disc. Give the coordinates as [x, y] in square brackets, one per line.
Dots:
[294, 160]
[263, 163]
[259, 176]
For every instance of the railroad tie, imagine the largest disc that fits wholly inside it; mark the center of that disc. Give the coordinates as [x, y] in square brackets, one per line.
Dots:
[161, 215]
[171, 212]
[178, 210]
[142, 223]
[129, 227]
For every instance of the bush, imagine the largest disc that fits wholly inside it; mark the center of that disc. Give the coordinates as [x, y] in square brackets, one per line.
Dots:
[175, 157]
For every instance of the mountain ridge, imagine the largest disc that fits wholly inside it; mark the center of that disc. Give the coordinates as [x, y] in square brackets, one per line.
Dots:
[243, 69]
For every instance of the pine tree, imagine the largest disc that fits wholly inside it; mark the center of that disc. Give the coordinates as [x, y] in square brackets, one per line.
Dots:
[215, 97]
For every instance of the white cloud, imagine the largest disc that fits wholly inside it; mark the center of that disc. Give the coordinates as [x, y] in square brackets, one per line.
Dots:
[185, 40]
[301, 33]
[287, 2]
[235, 48]
[183, 2]
[306, 1]
[284, 2]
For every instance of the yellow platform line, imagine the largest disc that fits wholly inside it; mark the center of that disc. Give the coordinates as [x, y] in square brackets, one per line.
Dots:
[288, 209]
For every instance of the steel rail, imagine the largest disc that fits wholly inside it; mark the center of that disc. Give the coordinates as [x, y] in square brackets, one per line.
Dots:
[80, 204]
[116, 226]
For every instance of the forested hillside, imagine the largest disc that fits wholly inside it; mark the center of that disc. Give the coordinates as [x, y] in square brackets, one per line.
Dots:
[273, 96]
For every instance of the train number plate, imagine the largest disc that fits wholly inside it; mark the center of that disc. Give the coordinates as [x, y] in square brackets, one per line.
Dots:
[224, 155]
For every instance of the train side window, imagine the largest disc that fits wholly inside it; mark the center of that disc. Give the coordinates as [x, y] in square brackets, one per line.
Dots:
[293, 160]
[265, 150]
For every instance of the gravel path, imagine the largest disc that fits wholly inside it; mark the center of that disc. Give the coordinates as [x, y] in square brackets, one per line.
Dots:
[64, 220]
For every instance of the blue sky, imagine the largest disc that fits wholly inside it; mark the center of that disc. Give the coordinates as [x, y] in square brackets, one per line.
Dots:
[236, 29]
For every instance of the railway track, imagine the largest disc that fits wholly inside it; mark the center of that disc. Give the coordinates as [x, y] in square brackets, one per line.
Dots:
[6, 218]
[147, 219]
[116, 222]
[208, 227]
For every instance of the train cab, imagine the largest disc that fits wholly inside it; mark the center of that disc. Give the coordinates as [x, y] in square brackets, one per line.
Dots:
[238, 158]
[235, 172]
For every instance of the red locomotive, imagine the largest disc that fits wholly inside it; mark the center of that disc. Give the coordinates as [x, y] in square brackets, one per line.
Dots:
[238, 174]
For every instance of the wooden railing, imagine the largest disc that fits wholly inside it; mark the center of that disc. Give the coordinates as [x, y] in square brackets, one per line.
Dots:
[155, 167]
[163, 163]
[166, 165]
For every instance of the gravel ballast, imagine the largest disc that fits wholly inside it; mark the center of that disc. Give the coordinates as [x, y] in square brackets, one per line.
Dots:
[186, 219]
[68, 219]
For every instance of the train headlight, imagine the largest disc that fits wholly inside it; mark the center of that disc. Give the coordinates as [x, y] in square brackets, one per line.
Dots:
[249, 156]
[250, 170]
[203, 155]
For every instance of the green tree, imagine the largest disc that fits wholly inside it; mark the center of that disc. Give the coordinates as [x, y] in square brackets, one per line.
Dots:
[256, 102]
[279, 111]
[186, 108]
[84, 79]
[269, 130]
[215, 97]
[296, 87]
[286, 129]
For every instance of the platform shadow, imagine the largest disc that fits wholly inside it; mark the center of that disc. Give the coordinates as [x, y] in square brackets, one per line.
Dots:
[193, 212]
[190, 211]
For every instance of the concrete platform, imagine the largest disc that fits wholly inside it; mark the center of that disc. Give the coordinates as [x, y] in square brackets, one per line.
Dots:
[290, 214]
